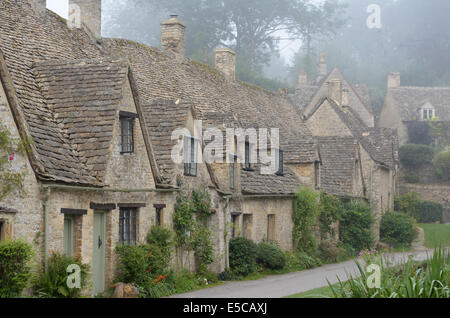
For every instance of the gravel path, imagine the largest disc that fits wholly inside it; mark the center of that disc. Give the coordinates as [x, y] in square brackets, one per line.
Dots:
[288, 284]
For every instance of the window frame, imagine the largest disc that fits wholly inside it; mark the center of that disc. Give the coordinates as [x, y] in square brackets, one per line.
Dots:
[129, 119]
[190, 156]
[128, 237]
[247, 157]
[279, 158]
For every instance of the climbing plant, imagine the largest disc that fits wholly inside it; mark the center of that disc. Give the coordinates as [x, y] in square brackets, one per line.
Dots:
[306, 210]
[330, 211]
[190, 225]
[10, 179]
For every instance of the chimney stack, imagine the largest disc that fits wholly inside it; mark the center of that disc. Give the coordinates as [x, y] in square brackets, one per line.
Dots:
[302, 78]
[335, 91]
[172, 37]
[393, 80]
[39, 6]
[226, 62]
[87, 12]
[323, 69]
[345, 101]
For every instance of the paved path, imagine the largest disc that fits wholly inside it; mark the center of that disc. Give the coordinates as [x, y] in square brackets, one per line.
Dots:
[288, 284]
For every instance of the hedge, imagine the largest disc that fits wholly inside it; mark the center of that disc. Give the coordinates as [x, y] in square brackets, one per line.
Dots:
[413, 156]
[397, 229]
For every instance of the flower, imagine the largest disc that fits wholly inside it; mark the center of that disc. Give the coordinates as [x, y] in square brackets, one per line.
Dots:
[11, 157]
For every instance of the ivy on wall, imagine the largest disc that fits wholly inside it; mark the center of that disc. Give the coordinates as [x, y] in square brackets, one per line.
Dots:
[190, 225]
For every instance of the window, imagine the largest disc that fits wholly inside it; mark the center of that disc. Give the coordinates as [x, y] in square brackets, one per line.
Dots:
[127, 134]
[127, 226]
[231, 169]
[279, 161]
[1, 231]
[190, 156]
[68, 235]
[428, 113]
[247, 164]
[234, 225]
[159, 217]
[317, 174]
[271, 227]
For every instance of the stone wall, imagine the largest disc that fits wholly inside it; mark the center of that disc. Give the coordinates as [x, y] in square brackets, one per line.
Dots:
[325, 122]
[439, 193]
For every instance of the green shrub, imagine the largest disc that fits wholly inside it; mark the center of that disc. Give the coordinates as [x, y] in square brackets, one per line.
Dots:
[306, 211]
[203, 247]
[411, 177]
[14, 267]
[413, 156]
[270, 256]
[331, 209]
[242, 256]
[329, 251]
[408, 204]
[139, 265]
[163, 239]
[441, 165]
[430, 212]
[397, 229]
[53, 283]
[356, 225]
[306, 261]
[227, 275]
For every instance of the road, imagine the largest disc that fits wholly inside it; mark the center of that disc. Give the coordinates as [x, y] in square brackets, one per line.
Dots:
[288, 284]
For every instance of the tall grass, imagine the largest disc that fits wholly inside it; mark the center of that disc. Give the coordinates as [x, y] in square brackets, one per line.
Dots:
[429, 279]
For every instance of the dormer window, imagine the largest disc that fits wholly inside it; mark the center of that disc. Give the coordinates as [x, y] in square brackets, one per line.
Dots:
[127, 132]
[279, 162]
[190, 156]
[428, 112]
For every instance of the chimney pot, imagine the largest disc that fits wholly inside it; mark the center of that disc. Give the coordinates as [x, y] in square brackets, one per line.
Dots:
[394, 80]
[226, 62]
[302, 78]
[39, 6]
[323, 69]
[173, 33]
[335, 91]
[345, 101]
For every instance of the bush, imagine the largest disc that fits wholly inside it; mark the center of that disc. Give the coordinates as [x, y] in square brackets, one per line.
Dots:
[356, 225]
[306, 210]
[53, 283]
[397, 229]
[139, 265]
[408, 204]
[226, 276]
[307, 261]
[413, 156]
[430, 212]
[442, 165]
[162, 238]
[242, 256]
[14, 267]
[329, 251]
[330, 211]
[270, 256]
[411, 177]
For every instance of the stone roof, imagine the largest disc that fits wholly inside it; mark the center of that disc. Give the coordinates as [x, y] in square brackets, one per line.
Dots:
[255, 183]
[83, 97]
[380, 143]
[162, 118]
[409, 100]
[338, 156]
[161, 74]
[25, 39]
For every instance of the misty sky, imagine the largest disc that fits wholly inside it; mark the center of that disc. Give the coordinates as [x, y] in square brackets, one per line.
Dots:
[287, 48]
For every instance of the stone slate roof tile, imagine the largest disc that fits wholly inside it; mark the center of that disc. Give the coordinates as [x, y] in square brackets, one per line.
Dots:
[27, 38]
[410, 99]
[338, 156]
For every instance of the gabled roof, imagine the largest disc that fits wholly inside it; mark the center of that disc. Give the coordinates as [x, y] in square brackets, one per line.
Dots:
[338, 156]
[380, 143]
[409, 100]
[307, 96]
[83, 97]
[161, 74]
[25, 39]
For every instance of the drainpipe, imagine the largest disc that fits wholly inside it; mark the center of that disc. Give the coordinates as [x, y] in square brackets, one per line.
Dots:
[46, 227]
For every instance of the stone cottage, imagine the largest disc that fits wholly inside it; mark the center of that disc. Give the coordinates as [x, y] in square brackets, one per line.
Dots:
[408, 108]
[334, 109]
